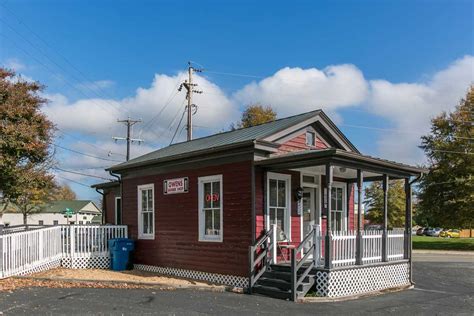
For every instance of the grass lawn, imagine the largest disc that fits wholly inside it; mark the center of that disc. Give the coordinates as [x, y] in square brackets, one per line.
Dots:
[437, 243]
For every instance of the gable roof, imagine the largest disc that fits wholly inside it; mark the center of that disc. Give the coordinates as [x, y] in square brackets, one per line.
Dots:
[59, 206]
[239, 136]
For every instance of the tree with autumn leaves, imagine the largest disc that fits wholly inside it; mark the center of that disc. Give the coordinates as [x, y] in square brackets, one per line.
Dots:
[25, 145]
[255, 114]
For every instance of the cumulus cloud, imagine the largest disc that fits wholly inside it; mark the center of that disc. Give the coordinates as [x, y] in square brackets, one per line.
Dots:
[294, 90]
[410, 106]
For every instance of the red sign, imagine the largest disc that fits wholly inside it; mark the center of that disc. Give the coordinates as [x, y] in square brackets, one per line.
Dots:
[174, 186]
[212, 197]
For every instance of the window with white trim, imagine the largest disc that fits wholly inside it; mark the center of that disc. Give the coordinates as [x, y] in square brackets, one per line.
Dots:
[310, 139]
[146, 211]
[278, 203]
[337, 208]
[210, 208]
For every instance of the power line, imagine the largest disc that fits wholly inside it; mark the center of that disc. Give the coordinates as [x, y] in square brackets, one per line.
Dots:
[454, 152]
[109, 152]
[57, 65]
[177, 127]
[84, 154]
[53, 73]
[51, 48]
[73, 181]
[82, 174]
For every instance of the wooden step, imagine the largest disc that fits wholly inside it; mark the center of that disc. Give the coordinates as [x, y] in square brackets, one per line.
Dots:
[281, 284]
[280, 275]
[272, 292]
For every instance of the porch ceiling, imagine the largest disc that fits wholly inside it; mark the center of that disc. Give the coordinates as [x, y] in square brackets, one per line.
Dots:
[341, 172]
[312, 158]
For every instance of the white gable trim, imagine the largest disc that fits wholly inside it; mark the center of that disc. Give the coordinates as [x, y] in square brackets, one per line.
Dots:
[302, 125]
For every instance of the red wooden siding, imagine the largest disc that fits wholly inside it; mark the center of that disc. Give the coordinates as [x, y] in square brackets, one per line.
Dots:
[109, 207]
[176, 222]
[299, 143]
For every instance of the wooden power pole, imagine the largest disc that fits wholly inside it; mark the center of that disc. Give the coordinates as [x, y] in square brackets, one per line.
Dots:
[129, 123]
[189, 85]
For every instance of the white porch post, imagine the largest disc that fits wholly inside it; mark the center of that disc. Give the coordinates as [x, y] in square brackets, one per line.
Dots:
[385, 218]
[274, 242]
[359, 245]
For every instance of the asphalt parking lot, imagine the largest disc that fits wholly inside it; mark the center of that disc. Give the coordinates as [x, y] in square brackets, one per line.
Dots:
[444, 286]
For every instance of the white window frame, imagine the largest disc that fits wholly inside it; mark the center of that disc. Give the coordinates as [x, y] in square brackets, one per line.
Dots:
[140, 188]
[314, 138]
[342, 185]
[287, 211]
[115, 204]
[201, 222]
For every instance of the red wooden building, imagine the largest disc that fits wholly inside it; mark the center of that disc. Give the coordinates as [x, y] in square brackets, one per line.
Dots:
[211, 208]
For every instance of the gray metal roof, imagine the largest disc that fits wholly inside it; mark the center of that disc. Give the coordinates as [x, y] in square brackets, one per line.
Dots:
[218, 140]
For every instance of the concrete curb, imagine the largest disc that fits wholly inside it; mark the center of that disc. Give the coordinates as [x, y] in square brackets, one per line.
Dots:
[217, 288]
[444, 252]
[353, 297]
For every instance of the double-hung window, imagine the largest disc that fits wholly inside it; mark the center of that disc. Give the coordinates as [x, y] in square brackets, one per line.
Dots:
[210, 208]
[278, 203]
[146, 212]
[337, 208]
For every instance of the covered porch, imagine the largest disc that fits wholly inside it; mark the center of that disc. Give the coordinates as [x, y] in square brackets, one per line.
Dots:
[332, 253]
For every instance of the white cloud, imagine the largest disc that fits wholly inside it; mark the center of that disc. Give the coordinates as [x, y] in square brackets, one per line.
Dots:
[410, 106]
[295, 90]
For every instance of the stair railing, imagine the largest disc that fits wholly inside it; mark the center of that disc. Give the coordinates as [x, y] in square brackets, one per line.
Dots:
[297, 264]
[261, 255]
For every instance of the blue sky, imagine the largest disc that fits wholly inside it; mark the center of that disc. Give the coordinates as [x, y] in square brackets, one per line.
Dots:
[372, 64]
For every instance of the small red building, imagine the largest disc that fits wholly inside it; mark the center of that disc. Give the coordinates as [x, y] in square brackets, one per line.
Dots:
[194, 208]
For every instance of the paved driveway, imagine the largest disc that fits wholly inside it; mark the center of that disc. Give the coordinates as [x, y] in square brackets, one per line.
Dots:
[444, 286]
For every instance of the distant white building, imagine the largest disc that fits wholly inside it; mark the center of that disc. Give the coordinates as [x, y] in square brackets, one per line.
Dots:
[84, 212]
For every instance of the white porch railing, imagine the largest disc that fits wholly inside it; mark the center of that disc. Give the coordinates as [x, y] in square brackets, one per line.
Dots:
[25, 251]
[344, 248]
[395, 244]
[372, 246]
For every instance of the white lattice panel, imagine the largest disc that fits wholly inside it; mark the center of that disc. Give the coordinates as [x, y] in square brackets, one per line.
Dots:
[232, 280]
[86, 262]
[42, 267]
[361, 280]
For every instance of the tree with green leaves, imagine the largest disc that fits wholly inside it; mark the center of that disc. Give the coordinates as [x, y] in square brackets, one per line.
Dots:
[447, 192]
[374, 202]
[255, 115]
[25, 137]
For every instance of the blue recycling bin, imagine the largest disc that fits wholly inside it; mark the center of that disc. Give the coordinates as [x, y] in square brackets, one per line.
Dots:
[120, 249]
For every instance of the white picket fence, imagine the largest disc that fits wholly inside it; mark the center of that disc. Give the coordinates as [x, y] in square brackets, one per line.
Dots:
[395, 244]
[372, 246]
[33, 250]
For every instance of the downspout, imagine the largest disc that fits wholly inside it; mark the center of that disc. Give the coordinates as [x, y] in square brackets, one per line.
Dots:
[104, 206]
[121, 191]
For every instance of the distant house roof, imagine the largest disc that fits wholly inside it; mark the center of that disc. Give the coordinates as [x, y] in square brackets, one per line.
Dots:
[60, 207]
[239, 136]
[106, 185]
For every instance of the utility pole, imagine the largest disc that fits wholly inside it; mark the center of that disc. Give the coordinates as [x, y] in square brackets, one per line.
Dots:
[189, 85]
[129, 123]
